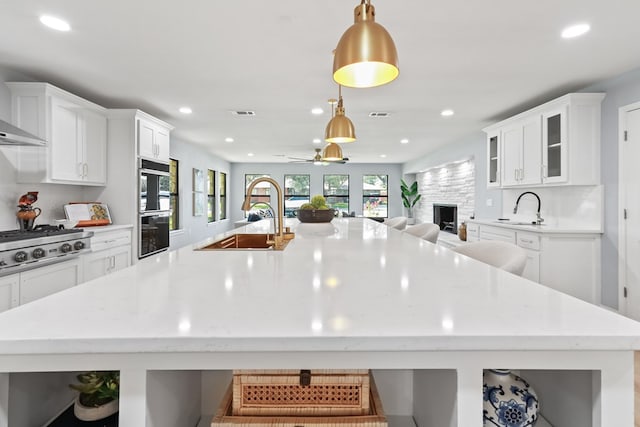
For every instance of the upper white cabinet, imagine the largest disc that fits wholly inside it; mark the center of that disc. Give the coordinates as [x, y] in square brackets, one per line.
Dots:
[153, 140]
[74, 128]
[557, 143]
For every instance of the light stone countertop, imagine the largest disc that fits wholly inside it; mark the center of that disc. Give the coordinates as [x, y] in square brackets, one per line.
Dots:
[349, 285]
[549, 228]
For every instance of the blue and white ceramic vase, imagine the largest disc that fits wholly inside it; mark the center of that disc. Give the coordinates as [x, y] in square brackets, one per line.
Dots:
[508, 400]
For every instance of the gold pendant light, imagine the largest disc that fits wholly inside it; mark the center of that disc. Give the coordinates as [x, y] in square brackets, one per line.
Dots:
[366, 55]
[339, 129]
[332, 152]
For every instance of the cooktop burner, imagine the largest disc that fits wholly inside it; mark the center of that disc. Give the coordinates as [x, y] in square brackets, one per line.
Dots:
[39, 231]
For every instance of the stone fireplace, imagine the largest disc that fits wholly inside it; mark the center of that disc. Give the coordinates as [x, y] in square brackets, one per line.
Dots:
[446, 216]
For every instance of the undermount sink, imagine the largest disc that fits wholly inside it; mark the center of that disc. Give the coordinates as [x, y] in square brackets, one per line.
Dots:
[241, 241]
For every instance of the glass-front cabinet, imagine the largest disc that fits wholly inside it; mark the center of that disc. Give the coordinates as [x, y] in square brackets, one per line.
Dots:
[554, 146]
[493, 159]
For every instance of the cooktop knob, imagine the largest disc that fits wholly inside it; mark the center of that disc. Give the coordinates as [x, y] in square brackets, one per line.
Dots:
[66, 247]
[38, 253]
[20, 256]
[78, 245]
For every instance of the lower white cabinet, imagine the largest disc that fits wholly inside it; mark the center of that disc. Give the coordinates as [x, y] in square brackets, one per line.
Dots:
[9, 291]
[111, 251]
[567, 262]
[47, 280]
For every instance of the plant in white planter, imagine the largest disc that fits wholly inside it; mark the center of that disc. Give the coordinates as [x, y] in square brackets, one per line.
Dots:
[98, 397]
[410, 196]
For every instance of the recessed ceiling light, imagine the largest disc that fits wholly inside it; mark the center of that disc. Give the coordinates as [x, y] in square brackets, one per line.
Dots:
[228, 139]
[55, 23]
[250, 154]
[317, 111]
[446, 113]
[404, 141]
[185, 110]
[316, 140]
[575, 31]
[383, 155]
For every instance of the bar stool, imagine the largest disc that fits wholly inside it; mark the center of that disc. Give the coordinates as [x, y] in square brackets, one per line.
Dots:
[503, 255]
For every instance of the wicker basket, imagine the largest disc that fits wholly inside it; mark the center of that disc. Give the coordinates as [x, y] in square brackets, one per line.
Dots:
[374, 418]
[306, 392]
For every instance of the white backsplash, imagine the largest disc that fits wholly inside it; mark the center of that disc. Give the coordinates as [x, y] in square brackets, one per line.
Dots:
[51, 197]
[565, 206]
[453, 183]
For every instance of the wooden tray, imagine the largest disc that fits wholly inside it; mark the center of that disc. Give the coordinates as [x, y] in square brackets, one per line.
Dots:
[375, 418]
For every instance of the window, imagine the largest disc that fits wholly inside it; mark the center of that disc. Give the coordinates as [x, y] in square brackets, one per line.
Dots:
[261, 196]
[211, 195]
[174, 197]
[222, 196]
[336, 191]
[297, 190]
[374, 195]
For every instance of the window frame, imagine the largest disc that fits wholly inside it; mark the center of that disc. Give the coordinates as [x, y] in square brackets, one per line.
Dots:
[289, 211]
[211, 196]
[365, 198]
[174, 197]
[327, 196]
[222, 196]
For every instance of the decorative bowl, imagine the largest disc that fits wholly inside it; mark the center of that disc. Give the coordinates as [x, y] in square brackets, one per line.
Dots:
[315, 215]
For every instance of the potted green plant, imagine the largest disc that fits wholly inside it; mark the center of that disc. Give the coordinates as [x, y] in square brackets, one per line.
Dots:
[98, 395]
[410, 196]
[316, 211]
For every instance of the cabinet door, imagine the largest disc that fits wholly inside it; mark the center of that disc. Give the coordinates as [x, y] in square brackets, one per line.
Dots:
[121, 258]
[146, 140]
[162, 144]
[95, 265]
[511, 154]
[532, 267]
[43, 281]
[95, 148]
[9, 297]
[493, 160]
[554, 146]
[66, 144]
[531, 151]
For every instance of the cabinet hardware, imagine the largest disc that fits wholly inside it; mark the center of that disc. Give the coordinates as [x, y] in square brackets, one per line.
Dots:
[85, 170]
[626, 135]
[625, 291]
[624, 213]
[79, 169]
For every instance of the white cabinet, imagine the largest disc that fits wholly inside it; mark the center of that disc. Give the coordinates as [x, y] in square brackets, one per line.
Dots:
[111, 251]
[557, 143]
[521, 144]
[75, 130]
[567, 262]
[9, 291]
[47, 280]
[493, 159]
[153, 140]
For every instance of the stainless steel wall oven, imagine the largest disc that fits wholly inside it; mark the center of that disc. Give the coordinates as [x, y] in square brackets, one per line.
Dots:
[153, 207]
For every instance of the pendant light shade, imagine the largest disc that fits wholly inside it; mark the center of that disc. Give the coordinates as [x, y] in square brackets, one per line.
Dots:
[366, 55]
[340, 129]
[332, 152]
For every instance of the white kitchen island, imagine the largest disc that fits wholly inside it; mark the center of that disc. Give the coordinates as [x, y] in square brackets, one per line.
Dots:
[349, 294]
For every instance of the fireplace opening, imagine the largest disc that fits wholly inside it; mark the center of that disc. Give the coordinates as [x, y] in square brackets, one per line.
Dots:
[446, 216]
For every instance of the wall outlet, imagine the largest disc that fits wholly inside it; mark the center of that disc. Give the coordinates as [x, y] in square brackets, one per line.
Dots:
[489, 202]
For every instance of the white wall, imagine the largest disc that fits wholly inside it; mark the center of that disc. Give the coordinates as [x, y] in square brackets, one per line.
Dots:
[195, 228]
[475, 147]
[354, 170]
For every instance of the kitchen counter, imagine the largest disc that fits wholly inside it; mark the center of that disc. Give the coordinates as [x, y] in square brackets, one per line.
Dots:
[348, 293]
[549, 228]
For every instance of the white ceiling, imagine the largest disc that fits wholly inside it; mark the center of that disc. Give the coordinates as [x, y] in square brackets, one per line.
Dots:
[484, 59]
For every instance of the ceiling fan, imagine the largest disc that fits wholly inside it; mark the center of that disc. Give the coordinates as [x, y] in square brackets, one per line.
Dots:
[318, 160]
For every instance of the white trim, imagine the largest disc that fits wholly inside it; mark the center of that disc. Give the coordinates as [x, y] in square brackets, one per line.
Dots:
[622, 255]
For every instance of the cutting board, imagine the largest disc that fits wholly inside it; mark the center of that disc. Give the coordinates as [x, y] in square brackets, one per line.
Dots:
[88, 214]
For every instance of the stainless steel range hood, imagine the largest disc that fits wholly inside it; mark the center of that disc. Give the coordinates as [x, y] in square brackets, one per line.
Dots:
[11, 135]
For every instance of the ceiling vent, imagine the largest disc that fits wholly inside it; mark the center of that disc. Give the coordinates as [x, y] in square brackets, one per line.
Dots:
[246, 113]
[379, 114]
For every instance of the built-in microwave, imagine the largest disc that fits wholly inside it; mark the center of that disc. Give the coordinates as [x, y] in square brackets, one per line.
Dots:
[154, 207]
